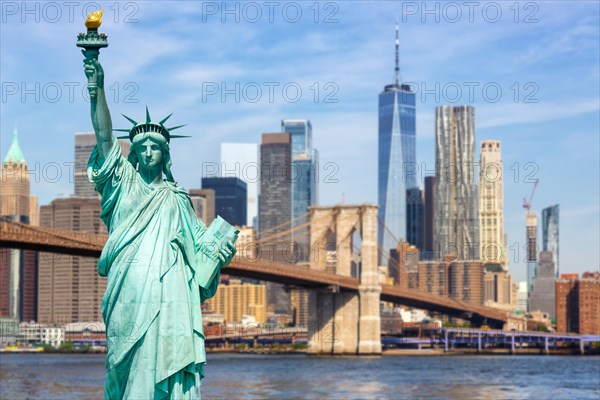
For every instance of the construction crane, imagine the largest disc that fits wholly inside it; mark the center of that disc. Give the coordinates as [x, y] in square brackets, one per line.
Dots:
[527, 204]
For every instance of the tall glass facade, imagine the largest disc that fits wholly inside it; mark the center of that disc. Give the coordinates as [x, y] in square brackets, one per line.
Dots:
[304, 178]
[301, 134]
[397, 149]
[456, 195]
[550, 233]
[414, 218]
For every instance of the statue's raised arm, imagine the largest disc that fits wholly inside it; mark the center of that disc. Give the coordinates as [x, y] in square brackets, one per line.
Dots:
[99, 108]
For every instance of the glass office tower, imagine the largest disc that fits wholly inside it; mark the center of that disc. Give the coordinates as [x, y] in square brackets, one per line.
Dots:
[304, 179]
[397, 148]
[550, 233]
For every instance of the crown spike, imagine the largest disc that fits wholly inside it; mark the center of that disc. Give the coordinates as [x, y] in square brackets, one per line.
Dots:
[179, 136]
[175, 127]
[130, 120]
[165, 119]
[149, 126]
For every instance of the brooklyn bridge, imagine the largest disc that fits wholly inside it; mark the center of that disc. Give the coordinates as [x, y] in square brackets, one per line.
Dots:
[341, 299]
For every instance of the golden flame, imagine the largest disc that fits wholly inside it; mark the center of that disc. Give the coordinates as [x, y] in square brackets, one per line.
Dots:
[94, 19]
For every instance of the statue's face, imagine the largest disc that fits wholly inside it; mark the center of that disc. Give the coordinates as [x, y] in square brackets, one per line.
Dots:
[149, 153]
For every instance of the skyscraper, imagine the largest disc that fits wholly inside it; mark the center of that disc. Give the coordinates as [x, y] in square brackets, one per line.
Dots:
[241, 160]
[456, 202]
[414, 217]
[429, 212]
[531, 235]
[275, 207]
[491, 205]
[543, 289]
[84, 144]
[304, 180]
[70, 289]
[397, 149]
[550, 233]
[304, 194]
[231, 198]
[14, 196]
[18, 268]
[275, 199]
[300, 131]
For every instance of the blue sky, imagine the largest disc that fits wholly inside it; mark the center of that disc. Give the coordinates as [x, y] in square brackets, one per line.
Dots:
[168, 55]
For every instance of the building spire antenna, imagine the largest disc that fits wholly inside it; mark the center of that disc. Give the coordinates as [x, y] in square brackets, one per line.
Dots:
[397, 69]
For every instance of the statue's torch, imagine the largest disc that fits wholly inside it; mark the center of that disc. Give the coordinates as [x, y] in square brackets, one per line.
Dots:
[92, 42]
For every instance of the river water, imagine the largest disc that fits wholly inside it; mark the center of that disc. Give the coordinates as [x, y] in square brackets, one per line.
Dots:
[249, 376]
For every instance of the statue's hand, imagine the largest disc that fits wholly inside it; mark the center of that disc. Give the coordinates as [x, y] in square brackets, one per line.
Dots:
[93, 71]
[226, 253]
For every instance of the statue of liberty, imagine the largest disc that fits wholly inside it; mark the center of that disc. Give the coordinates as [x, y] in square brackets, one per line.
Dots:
[157, 259]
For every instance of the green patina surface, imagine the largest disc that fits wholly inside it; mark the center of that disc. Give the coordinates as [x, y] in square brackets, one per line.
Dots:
[160, 260]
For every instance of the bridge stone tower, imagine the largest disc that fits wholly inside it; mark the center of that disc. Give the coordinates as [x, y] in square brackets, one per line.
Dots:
[344, 241]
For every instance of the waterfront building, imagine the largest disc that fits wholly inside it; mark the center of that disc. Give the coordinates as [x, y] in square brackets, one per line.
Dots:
[498, 287]
[550, 219]
[456, 199]
[70, 289]
[461, 280]
[203, 201]
[522, 300]
[433, 277]
[85, 330]
[241, 160]
[578, 304]
[34, 334]
[396, 158]
[466, 282]
[491, 205]
[236, 299]
[542, 295]
[18, 268]
[299, 303]
[18, 284]
[231, 198]
[402, 266]
[84, 144]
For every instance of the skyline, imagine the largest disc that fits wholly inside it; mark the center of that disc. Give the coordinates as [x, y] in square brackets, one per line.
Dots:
[559, 54]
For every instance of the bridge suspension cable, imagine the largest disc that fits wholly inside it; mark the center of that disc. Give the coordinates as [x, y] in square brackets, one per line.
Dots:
[289, 231]
[288, 222]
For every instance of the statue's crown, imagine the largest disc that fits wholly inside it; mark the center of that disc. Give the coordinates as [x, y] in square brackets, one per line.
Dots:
[149, 126]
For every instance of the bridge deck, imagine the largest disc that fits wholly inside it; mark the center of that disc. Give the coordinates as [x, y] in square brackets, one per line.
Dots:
[20, 236]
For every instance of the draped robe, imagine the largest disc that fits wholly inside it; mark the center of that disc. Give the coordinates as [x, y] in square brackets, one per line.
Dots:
[151, 307]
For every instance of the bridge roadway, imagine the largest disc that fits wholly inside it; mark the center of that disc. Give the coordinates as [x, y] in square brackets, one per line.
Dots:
[21, 236]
